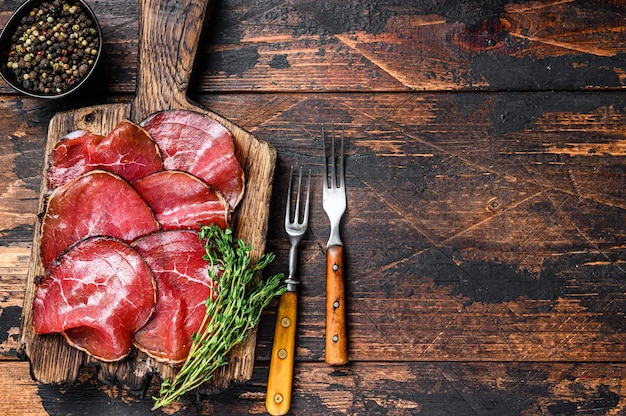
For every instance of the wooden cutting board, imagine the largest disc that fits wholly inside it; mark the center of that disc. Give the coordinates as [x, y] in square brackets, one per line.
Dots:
[169, 35]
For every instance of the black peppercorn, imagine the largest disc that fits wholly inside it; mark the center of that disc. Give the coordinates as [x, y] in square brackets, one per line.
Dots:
[53, 47]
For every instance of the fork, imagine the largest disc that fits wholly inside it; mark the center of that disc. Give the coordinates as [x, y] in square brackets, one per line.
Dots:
[334, 203]
[279, 385]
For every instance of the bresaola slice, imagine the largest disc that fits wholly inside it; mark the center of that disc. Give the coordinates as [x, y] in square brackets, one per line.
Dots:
[197, 144]
[99, 293]
[182, 201]
[68, 158]
[96, 203]
[128, 150]
[183, 285]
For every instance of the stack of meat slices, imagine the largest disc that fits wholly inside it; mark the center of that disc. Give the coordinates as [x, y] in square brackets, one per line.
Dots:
[119, 235]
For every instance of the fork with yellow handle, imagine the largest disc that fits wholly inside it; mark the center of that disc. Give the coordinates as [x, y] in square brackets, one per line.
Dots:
[280, 381]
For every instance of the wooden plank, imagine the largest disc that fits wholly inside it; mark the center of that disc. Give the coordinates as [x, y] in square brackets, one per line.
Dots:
[13, 270]
[163, 79]
[487, 279]
[361, 388]
[499, 240]
[18, 385]
[383, 46]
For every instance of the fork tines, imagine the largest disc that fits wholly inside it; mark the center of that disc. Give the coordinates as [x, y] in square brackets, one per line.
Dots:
[298, 217]
[296, 225]
[336, 175]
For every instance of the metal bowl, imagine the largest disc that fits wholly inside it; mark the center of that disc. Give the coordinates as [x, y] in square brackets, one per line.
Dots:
[6, 42]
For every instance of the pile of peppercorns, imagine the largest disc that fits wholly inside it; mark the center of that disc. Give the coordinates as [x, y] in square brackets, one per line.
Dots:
[54, 47]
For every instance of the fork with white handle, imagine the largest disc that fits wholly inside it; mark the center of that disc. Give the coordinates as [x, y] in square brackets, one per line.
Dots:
[279, 384]
[334, 203]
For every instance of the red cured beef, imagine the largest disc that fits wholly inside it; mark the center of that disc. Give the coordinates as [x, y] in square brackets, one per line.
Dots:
[96, 203]
[128, 150]
[197, 144]
[183, 285]
[67, 160]
[98, 295]
[180, 200]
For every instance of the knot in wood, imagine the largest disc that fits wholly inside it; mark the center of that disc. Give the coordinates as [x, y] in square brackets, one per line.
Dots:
[494, 204]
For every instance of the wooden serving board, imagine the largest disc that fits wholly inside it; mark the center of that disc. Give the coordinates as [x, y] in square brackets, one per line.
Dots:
[169, 34]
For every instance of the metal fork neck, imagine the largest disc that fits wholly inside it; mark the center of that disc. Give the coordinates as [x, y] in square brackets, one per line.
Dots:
[292, 284]
[334, 239]
[291, 280]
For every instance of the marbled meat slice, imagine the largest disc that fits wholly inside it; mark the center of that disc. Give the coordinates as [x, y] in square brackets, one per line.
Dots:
[127, 150]
[180, 200]
[67, 160]
[95, 203]
[183, 285]
[197, 144]
[99, 293]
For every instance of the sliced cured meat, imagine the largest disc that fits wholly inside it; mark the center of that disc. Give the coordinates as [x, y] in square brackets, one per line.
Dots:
[67, 160]
[95, 203]
[183, 285]
[99, 293]
[180, 200]
[197, 144]
[127, 150]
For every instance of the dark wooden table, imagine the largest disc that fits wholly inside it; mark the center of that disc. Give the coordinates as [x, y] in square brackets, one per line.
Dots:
[486, 225]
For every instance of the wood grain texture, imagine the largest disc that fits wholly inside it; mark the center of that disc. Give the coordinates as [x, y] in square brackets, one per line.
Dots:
[250, 220]
[484, 235]
[280, 377]
[363, 388]
[161, 87]
[336, 352]
[382, 45]
[484, 250]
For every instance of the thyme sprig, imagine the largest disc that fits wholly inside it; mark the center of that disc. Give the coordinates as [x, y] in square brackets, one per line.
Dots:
[230, 313]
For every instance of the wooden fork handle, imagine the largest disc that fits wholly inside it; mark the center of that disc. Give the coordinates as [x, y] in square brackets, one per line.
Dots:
[279, 384]
[336, 336]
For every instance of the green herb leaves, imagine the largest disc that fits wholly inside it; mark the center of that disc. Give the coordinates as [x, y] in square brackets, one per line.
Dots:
[230, 313]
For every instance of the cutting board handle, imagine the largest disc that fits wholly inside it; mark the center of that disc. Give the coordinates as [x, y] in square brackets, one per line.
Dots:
[169, 32]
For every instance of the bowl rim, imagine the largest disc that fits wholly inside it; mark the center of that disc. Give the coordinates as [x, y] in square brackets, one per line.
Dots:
[5, 44]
